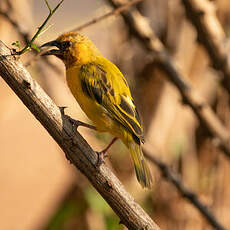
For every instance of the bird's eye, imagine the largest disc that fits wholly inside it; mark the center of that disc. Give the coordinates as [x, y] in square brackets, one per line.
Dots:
[66, 44]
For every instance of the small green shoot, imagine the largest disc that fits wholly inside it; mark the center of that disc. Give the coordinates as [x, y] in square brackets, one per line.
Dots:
[31, 44]
[34, 47]
[17, 44]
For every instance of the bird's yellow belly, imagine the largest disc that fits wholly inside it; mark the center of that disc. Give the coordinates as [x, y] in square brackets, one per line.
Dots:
[92, 109]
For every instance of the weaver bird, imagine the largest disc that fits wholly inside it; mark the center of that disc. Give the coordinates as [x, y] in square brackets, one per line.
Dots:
[103, 94]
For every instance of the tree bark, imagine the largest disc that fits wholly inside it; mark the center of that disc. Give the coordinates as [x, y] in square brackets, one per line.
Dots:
[72, 143]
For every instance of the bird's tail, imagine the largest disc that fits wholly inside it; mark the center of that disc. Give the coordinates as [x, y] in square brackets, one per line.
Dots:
[142, 171]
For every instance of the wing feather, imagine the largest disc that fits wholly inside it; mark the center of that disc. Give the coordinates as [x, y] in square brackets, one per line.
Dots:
[109, 89]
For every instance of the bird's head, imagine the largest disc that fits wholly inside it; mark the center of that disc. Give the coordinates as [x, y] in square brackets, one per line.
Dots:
[72, 48]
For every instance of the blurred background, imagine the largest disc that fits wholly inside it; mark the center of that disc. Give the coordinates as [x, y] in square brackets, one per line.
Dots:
[40, 190]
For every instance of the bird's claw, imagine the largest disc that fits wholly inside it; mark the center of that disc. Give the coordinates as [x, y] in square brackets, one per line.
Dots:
[74, 122]
[101, 156]
[62, 109]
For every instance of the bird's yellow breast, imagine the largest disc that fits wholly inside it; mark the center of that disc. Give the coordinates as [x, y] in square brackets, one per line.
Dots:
[93, 110]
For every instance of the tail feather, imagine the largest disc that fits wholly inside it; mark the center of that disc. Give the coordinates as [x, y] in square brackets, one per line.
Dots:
[142, 171]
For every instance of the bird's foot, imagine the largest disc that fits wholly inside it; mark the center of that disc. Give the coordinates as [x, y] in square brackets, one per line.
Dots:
[77, 123]
[74, 122]
[103, 154]
[101, 158]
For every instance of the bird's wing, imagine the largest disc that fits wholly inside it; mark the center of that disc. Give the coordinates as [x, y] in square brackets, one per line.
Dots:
[104, 83]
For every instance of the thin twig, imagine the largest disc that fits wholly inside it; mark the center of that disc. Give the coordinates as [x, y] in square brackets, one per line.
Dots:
[211, 35]
[26, 35]
[30, 44]
[72, 143]
[114, 12]
[26, 38]
[185, 192]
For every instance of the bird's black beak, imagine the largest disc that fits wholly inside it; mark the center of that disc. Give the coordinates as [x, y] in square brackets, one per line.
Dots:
[57, 52]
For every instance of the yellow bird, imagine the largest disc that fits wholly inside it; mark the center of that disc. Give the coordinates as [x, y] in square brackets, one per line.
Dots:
[103, 94]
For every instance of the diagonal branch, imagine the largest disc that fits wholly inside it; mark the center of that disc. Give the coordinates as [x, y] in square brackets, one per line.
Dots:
[72, 143]
[114, 12]
[185, 192]
[140, 28]
[12, 21]
[202, 15]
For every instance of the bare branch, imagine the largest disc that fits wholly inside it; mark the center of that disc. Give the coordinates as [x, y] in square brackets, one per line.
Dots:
[21, 32]
[72, 143]
[202, 15]
[114, 12]
[140, 27]
[185, 192]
